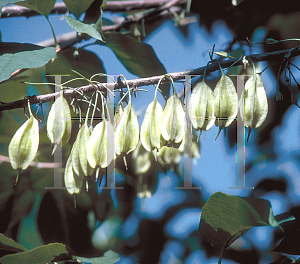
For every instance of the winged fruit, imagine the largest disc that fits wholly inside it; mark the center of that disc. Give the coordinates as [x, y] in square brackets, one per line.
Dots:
[226, 102]
[24, 144]
[253, 103]
[59, 124]
[201, 107]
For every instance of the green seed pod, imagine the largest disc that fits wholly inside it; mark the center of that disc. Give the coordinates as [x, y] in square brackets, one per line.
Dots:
[142, 159]
[173, 122]
[79, 152]
[24, 144]
[101, 145]
[127, 131]
[59, 124]
[72, 181]
[201, 107]
[226, 102]
[151, 137]
[254, 103]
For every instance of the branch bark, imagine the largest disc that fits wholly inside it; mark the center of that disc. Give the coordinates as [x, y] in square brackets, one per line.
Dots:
[112, 6]
[270, 56]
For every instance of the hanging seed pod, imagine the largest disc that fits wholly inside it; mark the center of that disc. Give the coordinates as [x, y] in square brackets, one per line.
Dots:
[59, 124]
[127, 130]
[225, 103]
[142, 159]
[24, 144]
[101, 145]
[79, 152]
[201, 107]
[118, 114]
[253, 103]
[72, 181]
[173, 122]
[151, 137]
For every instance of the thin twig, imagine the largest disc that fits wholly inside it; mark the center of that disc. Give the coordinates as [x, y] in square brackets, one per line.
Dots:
[270, 56]
[112, 6]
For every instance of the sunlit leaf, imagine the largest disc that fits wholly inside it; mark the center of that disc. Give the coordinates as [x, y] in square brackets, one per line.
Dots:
[77, 7]
[40, 255]
[43, 7]
[8, 245]
[225, 217]
[93, 30]
[15, 56]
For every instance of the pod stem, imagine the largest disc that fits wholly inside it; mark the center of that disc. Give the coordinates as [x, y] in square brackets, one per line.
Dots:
[171, 79]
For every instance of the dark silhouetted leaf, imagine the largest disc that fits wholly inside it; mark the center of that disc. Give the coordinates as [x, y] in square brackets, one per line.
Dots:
[40, 255]
[225, 218]
[290, 244]
[15, 56]
[138, 58]
[77, 7]
[87, 63]
[43, 7]
[109, 257]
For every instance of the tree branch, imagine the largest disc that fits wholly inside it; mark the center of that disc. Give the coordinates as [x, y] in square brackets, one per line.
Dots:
[270, 56]
[112, 6]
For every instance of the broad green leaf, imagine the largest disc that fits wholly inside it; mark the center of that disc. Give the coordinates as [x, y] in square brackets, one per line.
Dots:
[201, 107]
[6, 2]
[109, 257]
[93, 30]
[24, 144]
[8, 245]
[44, 254]
[87, 63]
[43, 7]
[15, 56]
[138, 58]
[173, 122]
[77, 7]
[225, 217]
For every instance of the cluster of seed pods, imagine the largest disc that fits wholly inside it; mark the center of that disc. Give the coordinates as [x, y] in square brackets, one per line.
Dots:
[162, 130]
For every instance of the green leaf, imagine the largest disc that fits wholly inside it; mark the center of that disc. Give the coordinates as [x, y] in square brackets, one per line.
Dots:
[225, 218]
[138, 58]
[43, 7]
[9, 246]
[87, 63]
[77, 7]
[44, 254]
[6, 2]
[15, 56]
[93, 30]
[109, 257]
